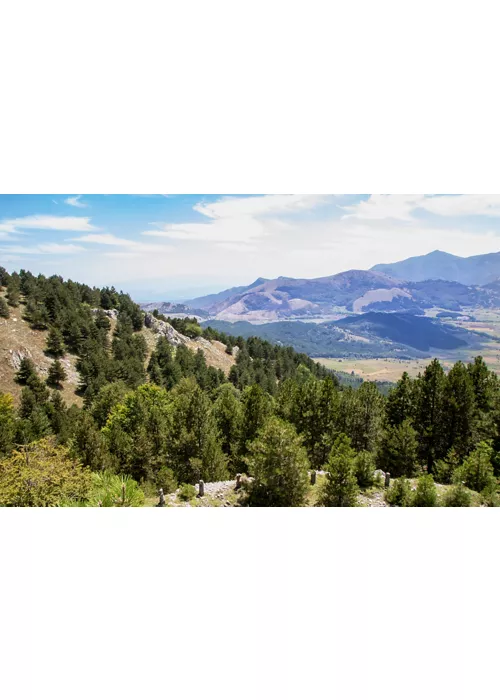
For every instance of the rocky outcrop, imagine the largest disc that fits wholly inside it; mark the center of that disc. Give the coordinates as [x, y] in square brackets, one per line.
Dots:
[165, 329]
[17, 355]
[110, 313]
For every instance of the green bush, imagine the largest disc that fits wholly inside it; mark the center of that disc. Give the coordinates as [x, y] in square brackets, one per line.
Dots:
[165, 479]
[399, 494]
[113, 491]
[426, 495]
[477, 470]
[278, 462]
[4, 309]
[458, 497]
[489, 496]
[444, 469]
[341, 488]
[364, 470]
[187, 492]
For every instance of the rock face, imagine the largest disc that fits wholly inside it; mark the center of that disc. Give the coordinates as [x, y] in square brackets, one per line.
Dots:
[165, 329]
[110, 313]
[17, 355]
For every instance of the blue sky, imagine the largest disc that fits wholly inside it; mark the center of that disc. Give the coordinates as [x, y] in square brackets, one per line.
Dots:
[176, 246]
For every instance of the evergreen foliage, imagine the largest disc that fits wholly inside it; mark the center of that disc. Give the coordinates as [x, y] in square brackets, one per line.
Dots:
[278, 464]
[4, 308]
[341, 488]
[426, 494]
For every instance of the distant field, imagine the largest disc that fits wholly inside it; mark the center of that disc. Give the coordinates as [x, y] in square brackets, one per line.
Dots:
[380, 370]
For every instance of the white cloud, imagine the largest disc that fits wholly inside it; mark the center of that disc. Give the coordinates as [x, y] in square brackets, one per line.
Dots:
[239, 219]
[104, 239]
[133, 248]
[48, 223]
[230, 207]
[44, 249]
[76, 202]
[402, 206]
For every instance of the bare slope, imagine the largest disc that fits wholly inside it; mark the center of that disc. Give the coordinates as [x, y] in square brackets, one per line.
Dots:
[18, 340]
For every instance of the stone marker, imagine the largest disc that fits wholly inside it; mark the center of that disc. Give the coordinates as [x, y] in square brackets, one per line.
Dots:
[387, 480]
[238, 481]
[201, 487]
[313, 478]
[161, 502]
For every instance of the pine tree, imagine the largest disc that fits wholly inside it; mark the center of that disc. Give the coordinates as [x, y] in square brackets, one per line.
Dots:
[401, 401]
[459, 409]
[7, 423]
[426, 495]
[364, 469]
[477, 471]
[257, 408]
[429, 418]
[55, 343]
[278, 463]
[228, 416]
[398, 450]
[88, 444]
[13, 295]
[4, 308]
[193, 445]
[56, 374]
[26, 370]
[341, 488]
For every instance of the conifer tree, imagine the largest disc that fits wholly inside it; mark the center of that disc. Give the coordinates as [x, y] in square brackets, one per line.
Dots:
[426, 495]
[398, 450]
[477, 471]
[401, 401]
[26, 370]
[4, 308]
[459, 409]
[257, 408]
[193, 445]
[278, 463]
[341, 488]
[13, 295]
[55, 343]
[56, 375]
[228, 416]
[429, 417]
[7, 423]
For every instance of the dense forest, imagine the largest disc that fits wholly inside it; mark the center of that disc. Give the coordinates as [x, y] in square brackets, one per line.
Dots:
[166, 420]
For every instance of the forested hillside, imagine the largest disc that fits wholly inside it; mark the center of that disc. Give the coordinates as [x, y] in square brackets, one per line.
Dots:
[155, 415]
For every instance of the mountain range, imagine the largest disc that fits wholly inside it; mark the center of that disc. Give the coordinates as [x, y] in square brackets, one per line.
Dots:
[439, 280]
[475, 270]
[355, 291]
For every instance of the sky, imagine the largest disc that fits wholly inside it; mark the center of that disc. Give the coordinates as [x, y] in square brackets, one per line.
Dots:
[173, 247]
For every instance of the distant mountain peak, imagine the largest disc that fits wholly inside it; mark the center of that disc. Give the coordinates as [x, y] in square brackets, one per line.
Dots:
[475, 270]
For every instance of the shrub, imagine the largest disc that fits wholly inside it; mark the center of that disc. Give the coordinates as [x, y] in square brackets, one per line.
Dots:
[113, 491]
[426, 495]
[56, 374]
[341, 488]
[364, 470]
[458, 497]
[444, 469]
[187, 492]
[399, 494]
[4, 309]
[279, 465]
[42, 474]
[26, 371]
[165, 479]
[489, 496]
[477, 471]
